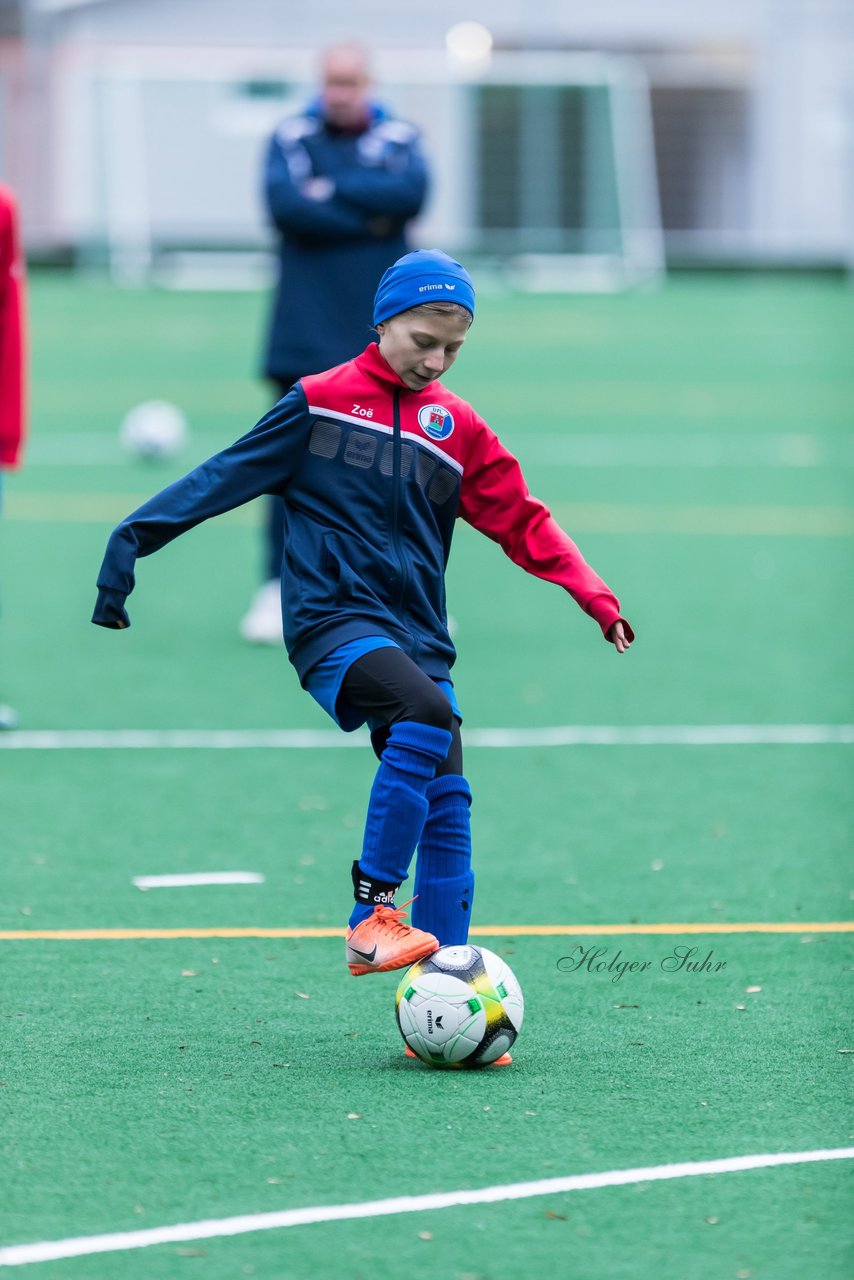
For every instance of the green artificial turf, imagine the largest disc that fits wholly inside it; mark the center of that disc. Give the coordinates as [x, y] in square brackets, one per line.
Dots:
[144, 1083]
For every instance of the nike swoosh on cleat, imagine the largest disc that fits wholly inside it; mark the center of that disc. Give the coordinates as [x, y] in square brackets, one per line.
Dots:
[367, 956]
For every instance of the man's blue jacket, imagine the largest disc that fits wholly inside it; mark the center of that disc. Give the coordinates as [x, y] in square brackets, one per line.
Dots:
[335, 246]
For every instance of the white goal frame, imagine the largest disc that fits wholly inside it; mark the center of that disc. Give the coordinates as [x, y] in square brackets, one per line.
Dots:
[118, 214]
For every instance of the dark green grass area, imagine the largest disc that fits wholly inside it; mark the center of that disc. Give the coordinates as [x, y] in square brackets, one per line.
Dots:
[599, 835]
[734, 576]
[156, 1082]
[146, 1083]
[730, 630]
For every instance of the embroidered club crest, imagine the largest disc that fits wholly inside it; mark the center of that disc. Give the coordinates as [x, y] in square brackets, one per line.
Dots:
[435, 421]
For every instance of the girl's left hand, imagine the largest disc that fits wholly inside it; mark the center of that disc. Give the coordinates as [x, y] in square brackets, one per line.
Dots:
[619, 637]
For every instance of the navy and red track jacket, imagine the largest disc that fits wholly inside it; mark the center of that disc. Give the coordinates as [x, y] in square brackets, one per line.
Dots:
[373, 477]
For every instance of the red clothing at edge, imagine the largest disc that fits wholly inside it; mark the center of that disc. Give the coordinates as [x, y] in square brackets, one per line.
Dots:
[12, 335]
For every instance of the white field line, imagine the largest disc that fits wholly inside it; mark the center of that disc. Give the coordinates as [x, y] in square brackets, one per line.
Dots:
[182, 739]
[568, 735]
[706, 735]
[198, 877]
[603, 449]
[80, 1246]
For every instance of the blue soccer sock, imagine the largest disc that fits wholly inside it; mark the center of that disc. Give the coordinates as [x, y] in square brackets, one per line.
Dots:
[444, 882]
[397, 810]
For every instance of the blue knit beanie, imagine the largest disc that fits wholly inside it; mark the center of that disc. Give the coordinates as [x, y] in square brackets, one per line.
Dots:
[428, 275]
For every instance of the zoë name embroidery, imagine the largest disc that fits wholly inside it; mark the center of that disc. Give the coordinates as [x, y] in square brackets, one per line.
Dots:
[362, 413]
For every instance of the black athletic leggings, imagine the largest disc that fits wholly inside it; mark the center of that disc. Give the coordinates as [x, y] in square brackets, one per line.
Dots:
[387, 684]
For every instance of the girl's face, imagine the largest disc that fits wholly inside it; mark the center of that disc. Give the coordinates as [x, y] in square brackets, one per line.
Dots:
[421, 345]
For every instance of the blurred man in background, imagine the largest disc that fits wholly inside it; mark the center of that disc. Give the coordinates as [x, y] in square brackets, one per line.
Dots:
[12, 357]
[341, 183]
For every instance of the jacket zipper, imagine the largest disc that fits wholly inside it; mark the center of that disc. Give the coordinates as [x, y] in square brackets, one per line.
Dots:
[397, 482]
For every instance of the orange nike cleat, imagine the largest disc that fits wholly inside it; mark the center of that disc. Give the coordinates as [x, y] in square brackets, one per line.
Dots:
[382, 942]
[504, 1061]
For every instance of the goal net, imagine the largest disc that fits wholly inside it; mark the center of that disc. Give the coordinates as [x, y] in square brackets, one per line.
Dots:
[543, 164]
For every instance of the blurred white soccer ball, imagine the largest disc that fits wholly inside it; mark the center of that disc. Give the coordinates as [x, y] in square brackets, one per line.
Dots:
[154, 429]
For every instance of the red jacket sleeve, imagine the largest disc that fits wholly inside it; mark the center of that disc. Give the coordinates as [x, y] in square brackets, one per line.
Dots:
[494, 499]
[12, 335]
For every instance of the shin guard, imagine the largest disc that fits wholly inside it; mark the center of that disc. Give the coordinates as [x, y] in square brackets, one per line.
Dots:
[397, 808]
[444, 882]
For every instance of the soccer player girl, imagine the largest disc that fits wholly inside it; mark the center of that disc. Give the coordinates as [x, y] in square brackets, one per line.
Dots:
[375, 460]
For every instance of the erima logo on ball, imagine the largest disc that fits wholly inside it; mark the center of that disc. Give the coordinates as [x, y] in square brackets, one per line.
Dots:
[435, 421]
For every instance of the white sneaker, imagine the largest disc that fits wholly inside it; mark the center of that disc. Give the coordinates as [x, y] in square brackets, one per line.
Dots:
[263, 623]
[8, 717]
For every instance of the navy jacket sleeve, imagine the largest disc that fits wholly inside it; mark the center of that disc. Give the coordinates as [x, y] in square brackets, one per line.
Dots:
[260, 462]
[395, 188]
[291, 211]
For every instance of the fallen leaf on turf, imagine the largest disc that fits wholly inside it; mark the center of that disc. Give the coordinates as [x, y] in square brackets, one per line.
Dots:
[741, 1006]
[425, 1235]
[713, 1222]
[191, 1253]
[303, 995]
[751, 991]
[353, 1115]
[189, 973]
[558, 1217]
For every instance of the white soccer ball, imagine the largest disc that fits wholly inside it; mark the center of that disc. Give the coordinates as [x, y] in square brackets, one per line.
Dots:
[460, 1007]
[154, 429]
